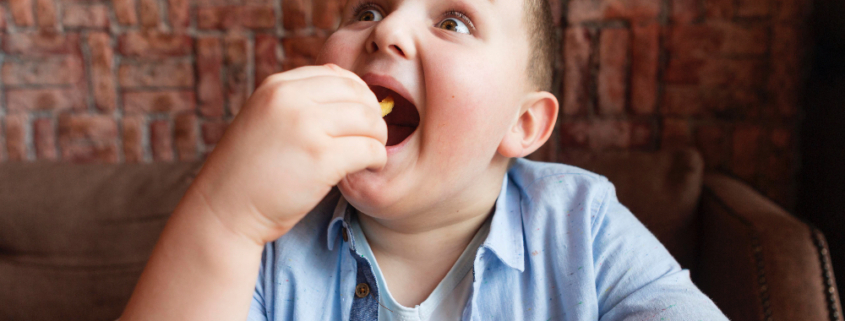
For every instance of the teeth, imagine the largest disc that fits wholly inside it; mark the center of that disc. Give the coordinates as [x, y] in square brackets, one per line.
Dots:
[386, 106]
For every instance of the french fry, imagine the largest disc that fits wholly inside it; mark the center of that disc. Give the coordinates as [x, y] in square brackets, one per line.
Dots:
[386, 106]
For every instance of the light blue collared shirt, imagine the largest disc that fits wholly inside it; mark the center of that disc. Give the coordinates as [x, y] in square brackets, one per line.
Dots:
[560, 247]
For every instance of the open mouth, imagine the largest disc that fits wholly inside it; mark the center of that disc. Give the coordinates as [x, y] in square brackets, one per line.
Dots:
[403, 120]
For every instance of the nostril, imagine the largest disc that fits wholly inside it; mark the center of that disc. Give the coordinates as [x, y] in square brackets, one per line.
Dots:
[399, 50]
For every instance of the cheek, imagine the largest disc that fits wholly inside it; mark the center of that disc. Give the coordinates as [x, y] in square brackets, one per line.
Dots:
[471, 102]
[337, 49]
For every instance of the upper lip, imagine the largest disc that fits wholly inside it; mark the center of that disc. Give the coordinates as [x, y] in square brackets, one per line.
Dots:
[388, 82]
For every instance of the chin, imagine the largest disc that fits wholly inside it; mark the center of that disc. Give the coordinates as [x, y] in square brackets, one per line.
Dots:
[366, 191]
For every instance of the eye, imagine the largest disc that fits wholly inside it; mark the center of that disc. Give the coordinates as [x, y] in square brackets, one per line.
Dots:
[456, 23]
[369, 15]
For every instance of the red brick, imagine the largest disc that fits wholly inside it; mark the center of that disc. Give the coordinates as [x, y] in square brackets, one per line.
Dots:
[719, 9]
[675, 134]
[165, 101]
[733, 73]
[576, 73]
[679, 100]
[613, 71]
[784, 64]
[228, 17]
[752, 8]
[156, 74]
[85, 16]
[327, 13]
[212, 3]
[212, 131]
[685, 11]
[149, 13]
[178, 12]
[155, 44]
[745, 151]
[16, 128]
[102, 64]
[186, 136]
[732, 103]
[266, 60]
[301, 51]
[22, 12]
[41, 43]
[725, 38]
[236, 81]
[683, 70]
[44, 137]
[210, 85]
[642, 135]
[161, 140]
[25, 100]
[781, 139]
[295, 14]
[125, 12]
[88, 138]
[133, 139]
[645, 59]
[793, 11]
[589, 10]
[713, 143]
[48, 17]
[596, 135]
[65, 70]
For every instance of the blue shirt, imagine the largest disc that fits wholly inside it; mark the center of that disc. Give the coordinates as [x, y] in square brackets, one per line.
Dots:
[560, 247]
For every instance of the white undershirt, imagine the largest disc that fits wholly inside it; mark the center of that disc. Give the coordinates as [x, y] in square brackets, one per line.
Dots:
[448, 299]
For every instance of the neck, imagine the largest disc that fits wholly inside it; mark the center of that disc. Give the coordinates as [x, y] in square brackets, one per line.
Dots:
[442, 233]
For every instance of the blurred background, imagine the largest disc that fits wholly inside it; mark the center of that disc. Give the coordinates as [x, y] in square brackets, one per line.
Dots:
[756, 86]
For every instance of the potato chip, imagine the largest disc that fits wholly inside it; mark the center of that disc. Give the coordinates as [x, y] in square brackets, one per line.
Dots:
[386, 106]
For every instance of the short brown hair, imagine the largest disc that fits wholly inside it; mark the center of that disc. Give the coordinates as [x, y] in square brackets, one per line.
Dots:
[543, 43]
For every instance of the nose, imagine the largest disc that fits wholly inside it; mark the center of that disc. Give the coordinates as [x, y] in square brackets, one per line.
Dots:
[393, 35]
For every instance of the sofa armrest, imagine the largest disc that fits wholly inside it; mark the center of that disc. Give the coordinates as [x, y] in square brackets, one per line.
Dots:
[757, 261]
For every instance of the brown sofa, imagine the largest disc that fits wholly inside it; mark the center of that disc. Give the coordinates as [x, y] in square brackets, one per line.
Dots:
[74, 238]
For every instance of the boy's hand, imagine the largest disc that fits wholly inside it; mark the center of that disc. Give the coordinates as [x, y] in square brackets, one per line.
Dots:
[297, 136]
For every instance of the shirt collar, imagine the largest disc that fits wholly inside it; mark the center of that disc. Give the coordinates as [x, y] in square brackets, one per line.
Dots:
[505, 240]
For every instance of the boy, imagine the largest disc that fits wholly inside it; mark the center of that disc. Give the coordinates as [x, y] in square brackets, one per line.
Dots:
[433, 219]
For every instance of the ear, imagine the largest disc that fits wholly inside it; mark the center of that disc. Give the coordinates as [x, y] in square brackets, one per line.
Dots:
[532, 127]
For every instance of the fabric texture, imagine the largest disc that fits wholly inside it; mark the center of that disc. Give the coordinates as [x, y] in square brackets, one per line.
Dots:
[560, 247]
[449, 297]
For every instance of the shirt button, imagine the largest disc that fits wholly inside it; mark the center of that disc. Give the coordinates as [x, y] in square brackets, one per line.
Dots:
[345, 235]
[362, 290]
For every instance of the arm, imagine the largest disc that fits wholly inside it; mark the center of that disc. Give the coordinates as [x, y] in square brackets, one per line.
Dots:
[636, 277]
[298, 135]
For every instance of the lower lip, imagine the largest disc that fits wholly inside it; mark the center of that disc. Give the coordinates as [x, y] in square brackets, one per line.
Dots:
[396, 148]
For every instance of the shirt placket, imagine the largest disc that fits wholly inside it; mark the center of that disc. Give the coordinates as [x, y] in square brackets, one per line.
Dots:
[365, 299]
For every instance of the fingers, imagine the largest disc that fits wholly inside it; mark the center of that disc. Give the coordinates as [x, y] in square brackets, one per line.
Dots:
[333, 89]
[356, 153]
[313, 71]
[352, 119]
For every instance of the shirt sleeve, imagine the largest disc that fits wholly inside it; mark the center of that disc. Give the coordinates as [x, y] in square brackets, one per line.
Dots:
[257, 311]
[636, 277]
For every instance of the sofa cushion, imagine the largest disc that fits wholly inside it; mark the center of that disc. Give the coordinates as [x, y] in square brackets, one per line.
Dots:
[662, 189]
[75, 238]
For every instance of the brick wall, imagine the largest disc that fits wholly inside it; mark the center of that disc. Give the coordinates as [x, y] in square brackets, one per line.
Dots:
[158, 80]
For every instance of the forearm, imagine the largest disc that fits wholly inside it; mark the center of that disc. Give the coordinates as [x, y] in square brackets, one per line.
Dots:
[200, 269]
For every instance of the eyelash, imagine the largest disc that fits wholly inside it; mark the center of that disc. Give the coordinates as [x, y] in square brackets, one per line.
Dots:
[450, 13]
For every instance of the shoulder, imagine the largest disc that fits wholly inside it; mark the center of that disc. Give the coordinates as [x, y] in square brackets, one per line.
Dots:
[557, 185]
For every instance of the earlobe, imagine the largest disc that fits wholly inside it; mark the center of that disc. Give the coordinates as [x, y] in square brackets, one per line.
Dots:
[532, 127]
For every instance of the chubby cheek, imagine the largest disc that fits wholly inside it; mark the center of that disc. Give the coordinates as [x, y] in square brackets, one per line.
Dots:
[337, 49]
[470, 108]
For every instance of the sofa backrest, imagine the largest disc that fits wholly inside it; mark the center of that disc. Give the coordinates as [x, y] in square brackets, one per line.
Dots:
[662, 189]
[74, 238]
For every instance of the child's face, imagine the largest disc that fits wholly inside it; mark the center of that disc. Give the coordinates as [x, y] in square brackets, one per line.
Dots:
[460, 66]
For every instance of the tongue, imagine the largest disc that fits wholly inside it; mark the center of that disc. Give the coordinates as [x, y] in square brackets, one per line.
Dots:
[397, 133]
